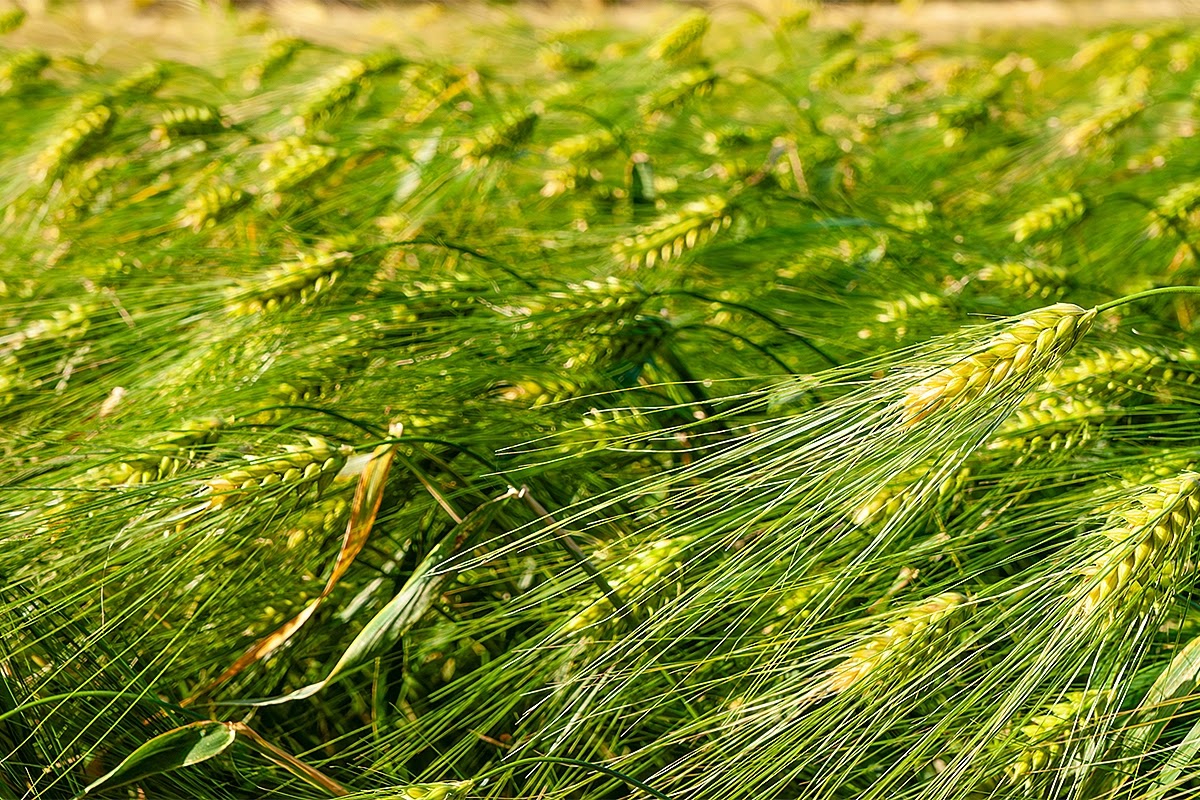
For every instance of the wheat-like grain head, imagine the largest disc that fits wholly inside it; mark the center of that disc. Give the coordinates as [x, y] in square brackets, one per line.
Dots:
[1042, 740]
[670, 236]
[315, 464]
[78, 139]
[898, 645]
[1148, 533]
[1053, 217]
[1015, 357]
[292, 283]
[22, 68]
[683, 39]
[1174, 207]
[1102, 124]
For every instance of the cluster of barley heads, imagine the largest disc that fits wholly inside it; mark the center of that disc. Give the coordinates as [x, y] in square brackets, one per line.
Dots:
[697, 404]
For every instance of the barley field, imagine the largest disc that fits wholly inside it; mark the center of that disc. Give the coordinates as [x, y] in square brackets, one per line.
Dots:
[752, 402]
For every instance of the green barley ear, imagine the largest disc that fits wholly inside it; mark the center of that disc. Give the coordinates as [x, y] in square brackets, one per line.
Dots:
[833, 69]
[1149, 534]
[1099, 126]
[584, 147]
[1174, 207]
[187, 122]
[562, 57]
[163, 456]
[1053, 217]
[900, 644]
[333, 95]
[21, 69]
[671, 236]
[82, 136]
[11, 19]
[639, 578]
[142, 82]
[1042, 741]
[213, 205]
[319, 522]
[83, 188]
[905, 491]
[910, 217]
[279, 53]
[499, 139]
[1025, 278]
[293, 283]
[1114, 375]
[1017, 355]
[683, 39]
[681, 88]
[312, 465]
[1053, 423]
[446, 790]
[293, 164]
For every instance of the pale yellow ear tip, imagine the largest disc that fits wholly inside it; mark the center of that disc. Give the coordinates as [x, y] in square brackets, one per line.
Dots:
[1031, 344]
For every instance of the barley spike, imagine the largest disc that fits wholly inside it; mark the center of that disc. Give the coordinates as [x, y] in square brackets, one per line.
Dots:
[1015, 356]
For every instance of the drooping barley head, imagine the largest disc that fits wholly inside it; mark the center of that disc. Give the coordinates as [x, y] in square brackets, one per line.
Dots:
[1150, 535]
[213, 205]
[1056, 216]
[683, 39]
[1011, 361]
[1174, 208]
[312, 465]
[292, 283]
[80, 138]
[670, 236]
[1101, 125]
[899, 645]
[499, 139]
[1040, 743]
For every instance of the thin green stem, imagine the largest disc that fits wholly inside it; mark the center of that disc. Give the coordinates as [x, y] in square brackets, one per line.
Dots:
[574, 762]
[107, 693]
[1129, 298]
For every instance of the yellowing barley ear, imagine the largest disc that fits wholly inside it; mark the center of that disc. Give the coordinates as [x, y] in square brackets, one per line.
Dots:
[683, 39]
[1149, 534]
[1012, 360]
[1054, 217]
[1042, 741]
[900, 645]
